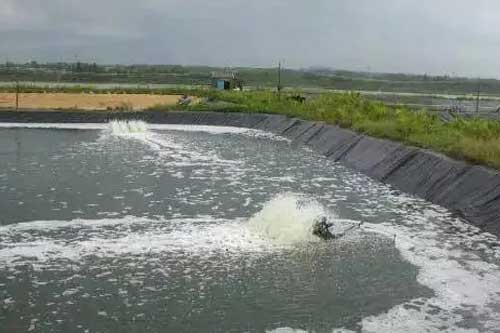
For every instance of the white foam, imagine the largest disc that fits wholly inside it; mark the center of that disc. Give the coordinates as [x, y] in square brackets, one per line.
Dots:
[41, 242]
[288, 218]
[451, 264]
[128, 127]
[174, 151]
[286, 330]
[75, 126]
[124, 126]
[297, 330]
[73, 224]
[462, 281]
[283, 222]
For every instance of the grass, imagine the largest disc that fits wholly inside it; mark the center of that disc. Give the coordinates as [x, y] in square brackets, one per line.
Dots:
[253, 77]
[79, 89]
[473, 140]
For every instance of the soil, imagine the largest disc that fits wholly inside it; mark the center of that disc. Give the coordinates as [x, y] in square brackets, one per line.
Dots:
[85, 101]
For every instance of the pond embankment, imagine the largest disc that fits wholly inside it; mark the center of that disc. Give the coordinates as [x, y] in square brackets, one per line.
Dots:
[471, 191]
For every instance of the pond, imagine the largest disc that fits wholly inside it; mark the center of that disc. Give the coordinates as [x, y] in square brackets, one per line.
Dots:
[129, 226]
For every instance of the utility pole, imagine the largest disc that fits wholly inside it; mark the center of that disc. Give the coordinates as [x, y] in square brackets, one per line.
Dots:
[17, 94]
[279, 81]
[17, 88]
[478, 95]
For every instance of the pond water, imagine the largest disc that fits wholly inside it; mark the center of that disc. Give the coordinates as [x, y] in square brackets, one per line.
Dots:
[133, 227]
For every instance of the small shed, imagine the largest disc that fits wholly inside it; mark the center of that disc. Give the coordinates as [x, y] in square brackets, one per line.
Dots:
[226, 80]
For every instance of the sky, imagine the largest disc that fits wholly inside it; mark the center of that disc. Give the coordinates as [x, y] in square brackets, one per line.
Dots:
[455, 37]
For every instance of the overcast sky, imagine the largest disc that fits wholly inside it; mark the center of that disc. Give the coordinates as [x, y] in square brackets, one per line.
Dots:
[413, 36]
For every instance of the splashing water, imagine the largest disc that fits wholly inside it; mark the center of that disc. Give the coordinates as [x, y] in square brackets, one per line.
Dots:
[288, 218]
[163, 143]
[177, 245]
[127, 127]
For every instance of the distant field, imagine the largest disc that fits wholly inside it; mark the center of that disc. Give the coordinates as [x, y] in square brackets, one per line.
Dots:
[488, 106]
[168, 76]
[85, 101]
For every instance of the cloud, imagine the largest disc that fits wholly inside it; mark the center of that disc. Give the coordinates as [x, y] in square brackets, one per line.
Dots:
[445, 36]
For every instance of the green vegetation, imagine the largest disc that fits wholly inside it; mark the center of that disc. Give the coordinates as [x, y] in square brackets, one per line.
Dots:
[252, 77]
[90, 89]
[472, 140]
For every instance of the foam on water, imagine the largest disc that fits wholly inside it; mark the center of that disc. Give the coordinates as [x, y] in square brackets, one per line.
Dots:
[44, 242]
[284, 221]
[73, 126]
[288, 218]
[128, 127]
[465, 285]
[458, 265]
[137, 126]
[165, 145]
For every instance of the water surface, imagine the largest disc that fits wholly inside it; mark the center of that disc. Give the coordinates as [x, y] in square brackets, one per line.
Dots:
[135, 227]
